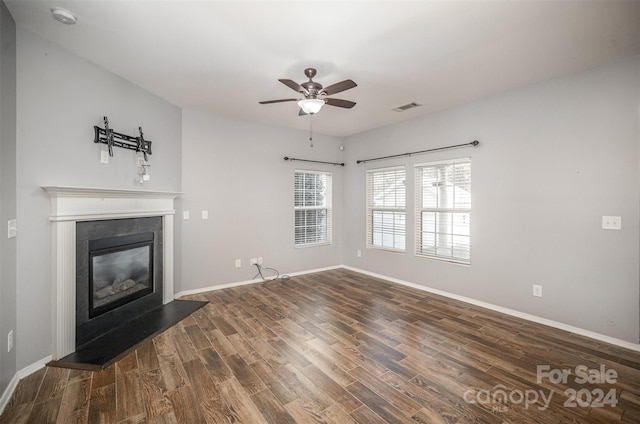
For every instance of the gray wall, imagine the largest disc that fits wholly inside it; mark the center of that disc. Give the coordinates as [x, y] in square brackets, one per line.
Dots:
[236, 171]
[554, 158]
[60, 98]
[7, 192]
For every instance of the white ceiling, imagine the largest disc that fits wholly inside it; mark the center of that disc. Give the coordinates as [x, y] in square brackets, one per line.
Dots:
[225, 56]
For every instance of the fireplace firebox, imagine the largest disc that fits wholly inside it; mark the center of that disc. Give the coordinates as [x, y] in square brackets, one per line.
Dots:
[120, 271]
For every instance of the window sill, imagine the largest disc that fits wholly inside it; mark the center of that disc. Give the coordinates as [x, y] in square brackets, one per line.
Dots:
[437, 258]
[387, 249]
[304, 246]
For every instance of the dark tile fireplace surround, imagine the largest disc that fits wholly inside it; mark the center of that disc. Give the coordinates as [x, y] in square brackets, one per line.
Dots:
[109, 269]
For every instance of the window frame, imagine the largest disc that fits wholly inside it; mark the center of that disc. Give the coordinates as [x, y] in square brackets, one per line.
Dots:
[464, 210]
[327, 207]
[371, 209]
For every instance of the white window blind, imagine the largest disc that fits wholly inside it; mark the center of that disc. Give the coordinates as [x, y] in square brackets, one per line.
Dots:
[386, 193]
[443, 210]
[312, 208]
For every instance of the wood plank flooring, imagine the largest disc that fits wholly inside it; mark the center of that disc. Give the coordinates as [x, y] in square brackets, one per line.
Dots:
[342, 347]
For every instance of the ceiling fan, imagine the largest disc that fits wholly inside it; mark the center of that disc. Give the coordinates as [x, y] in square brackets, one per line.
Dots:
[315, 95]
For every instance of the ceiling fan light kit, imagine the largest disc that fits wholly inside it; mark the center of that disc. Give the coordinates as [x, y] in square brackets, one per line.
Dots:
[315, 95]
[311, 106]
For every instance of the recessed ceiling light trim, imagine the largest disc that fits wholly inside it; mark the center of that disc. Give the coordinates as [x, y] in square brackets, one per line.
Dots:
[64, 16]
[405, 107]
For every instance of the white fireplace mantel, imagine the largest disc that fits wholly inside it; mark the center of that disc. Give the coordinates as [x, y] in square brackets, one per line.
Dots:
[72, 204]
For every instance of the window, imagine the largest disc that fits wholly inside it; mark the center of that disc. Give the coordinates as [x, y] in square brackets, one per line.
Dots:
[312, 205]
[443, 210]
[386, 208]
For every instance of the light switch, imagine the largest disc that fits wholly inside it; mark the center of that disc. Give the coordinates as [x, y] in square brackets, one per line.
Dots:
[11, 228]
[205, 214]
[185, 215]
[611, 223]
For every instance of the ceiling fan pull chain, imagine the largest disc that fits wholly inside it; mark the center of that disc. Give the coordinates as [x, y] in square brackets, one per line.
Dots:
[311, 130]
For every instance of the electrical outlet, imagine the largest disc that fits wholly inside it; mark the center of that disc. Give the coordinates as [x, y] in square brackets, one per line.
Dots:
[205, 214]
[537, 290]
[260, 260]
[359, 253]
[611, 223]
[254, 261]
[104, 156]
[185, 214]
[238, 263]
[10, 341]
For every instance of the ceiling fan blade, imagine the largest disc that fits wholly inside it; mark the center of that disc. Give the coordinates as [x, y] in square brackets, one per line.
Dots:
[340, 103]
[293, 85]
[266, 102]
[339, 87]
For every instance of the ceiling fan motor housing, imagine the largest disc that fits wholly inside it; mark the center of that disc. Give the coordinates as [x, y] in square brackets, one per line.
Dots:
[313, 88]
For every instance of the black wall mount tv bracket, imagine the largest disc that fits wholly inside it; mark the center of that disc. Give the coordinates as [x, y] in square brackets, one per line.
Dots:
[112, 138]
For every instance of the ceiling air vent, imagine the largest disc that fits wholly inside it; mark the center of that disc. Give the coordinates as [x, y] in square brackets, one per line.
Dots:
[405, 107]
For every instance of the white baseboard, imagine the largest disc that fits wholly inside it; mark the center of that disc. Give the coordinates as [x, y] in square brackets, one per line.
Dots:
[529, 317]
[254, 281]
[6, 396]
[24, 372]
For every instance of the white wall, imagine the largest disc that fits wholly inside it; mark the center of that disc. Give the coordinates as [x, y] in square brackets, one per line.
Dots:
[236, 171]
[554, 158]
[60, 98]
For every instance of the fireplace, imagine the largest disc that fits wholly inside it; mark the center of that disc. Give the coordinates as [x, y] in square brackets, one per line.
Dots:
[72, 208]
[120, 271]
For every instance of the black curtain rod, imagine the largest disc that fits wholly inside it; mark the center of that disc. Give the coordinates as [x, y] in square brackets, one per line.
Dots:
[314, 161]
[474, 143]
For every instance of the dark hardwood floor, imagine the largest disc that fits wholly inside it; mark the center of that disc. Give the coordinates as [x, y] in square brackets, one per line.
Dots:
[341, 347]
